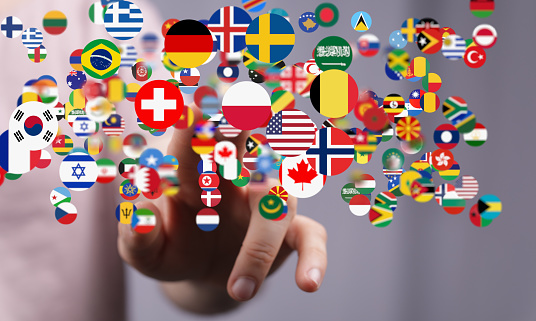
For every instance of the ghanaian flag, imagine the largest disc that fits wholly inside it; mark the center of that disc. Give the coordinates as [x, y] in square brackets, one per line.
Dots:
[188, 43]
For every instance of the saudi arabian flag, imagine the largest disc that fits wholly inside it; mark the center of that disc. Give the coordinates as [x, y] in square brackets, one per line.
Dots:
[96, 13]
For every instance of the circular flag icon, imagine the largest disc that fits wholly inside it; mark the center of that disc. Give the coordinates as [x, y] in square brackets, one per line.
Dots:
[100, 59]
[141, 71]
[54, 22]
[333, 53]
[299, 178]
[143, 220]
[227, 73]
[475, 57]
[359, 205]
[466, 187]
[211, 198]
[38, 54]
[167, 25]
[348, 191]
[242, 179]
[254, 5]
[11, 27]
[124, 212]
[452, 173]
[446, 136]
[114, 125]
[123, 20]
[453, 47]
[129, 191]
[134, 145]
[482, 8]
[489, 206]
[380, 215]
[431, 82]
[332, 152]
[271, 207]
[270, 38]
[442, 159]
[398, 60]
[229, 25]
[66, 213]
[78, 171]
[476, 137]
[408, 29]
[393, 159]
[485, 36]
[430, 41]
[159, 104]
[361, 21]
[334, 93]
[476, 219]
[387, 198]
[62, 145]
[397, 40]
[246, 105]
[280, 192]
[408, 128]
[327, 14]
[75, 59]
[75, 79]
[368, 45]
[207, 219]
[60, 195]
[209, 181]
[365, 184]
[307, 22]
[107, 170]
[282, 100]
[93, 145]
[448, 199]
[422, 190]
[32, 38]
[188, 43]
[290, 132]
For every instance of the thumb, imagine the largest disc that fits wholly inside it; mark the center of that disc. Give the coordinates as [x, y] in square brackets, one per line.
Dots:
[139, 247]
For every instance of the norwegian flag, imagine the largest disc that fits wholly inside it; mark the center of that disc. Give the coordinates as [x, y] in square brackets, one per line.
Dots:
[332, 153]
[293, 79]
[229, 25]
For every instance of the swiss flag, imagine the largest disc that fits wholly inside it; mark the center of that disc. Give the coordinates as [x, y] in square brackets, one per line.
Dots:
[159, 104]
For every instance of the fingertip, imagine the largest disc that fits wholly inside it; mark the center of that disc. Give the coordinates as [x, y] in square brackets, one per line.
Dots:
[310, 281]
[242, 289]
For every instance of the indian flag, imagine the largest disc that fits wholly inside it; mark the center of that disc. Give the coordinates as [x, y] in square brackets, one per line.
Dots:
[143, 221]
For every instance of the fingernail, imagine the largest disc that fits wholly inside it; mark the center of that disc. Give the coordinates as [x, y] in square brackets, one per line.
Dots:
[315, 275]
[243, 288]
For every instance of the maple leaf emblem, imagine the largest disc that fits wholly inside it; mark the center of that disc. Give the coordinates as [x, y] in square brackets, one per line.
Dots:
[302, 174]
[225, 152]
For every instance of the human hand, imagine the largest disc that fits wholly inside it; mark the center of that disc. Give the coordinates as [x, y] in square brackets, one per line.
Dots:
[239, 254]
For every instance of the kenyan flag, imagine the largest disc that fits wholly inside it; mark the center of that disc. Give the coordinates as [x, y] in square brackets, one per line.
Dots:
[482, 8]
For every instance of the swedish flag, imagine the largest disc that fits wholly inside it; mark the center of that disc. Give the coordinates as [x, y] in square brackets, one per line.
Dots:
[270, 38]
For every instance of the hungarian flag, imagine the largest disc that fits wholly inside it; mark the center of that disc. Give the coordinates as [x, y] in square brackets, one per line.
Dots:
[188, 43]
[143, 221]
[482, 8]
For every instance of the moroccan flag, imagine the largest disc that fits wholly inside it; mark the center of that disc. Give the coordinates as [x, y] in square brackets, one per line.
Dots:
[188, 43]
[334, 93]
[482, 8]
[55, 22]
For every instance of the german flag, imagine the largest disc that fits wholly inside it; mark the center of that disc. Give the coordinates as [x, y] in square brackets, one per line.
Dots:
[334, 93]
[188, 43]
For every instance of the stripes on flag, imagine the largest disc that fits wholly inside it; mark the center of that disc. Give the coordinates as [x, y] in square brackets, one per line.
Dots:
[290, 132]
[123, 20]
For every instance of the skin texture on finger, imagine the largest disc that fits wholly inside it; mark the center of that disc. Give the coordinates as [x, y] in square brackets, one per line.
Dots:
[142, 251]
[309, 238]
[261, 246]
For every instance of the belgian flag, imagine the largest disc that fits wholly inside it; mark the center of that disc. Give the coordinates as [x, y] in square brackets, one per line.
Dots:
[188, 43]
[334, 93]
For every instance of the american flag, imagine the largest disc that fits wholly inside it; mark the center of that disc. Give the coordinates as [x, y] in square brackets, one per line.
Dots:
[227, 129]
[466, 187]
[290, 132]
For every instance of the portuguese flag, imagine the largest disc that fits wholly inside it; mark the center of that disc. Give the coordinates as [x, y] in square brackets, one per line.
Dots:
[55, 22]
[482, 8]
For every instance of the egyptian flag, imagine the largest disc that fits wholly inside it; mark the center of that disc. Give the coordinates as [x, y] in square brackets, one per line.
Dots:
[188, 43]
[482, 8]
[334, 93]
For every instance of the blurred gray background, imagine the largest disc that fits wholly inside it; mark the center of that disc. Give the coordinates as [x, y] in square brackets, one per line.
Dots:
[427, 265]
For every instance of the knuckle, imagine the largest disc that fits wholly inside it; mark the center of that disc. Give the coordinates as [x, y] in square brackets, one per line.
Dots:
[261, 252]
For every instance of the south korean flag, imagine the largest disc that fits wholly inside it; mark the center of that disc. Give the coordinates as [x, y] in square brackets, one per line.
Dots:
[32, 127]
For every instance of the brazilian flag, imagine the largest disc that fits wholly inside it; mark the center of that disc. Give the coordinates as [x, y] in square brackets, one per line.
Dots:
[101, 59]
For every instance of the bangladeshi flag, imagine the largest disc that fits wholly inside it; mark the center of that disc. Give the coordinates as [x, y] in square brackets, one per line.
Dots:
[482, 8]
[188, 43]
